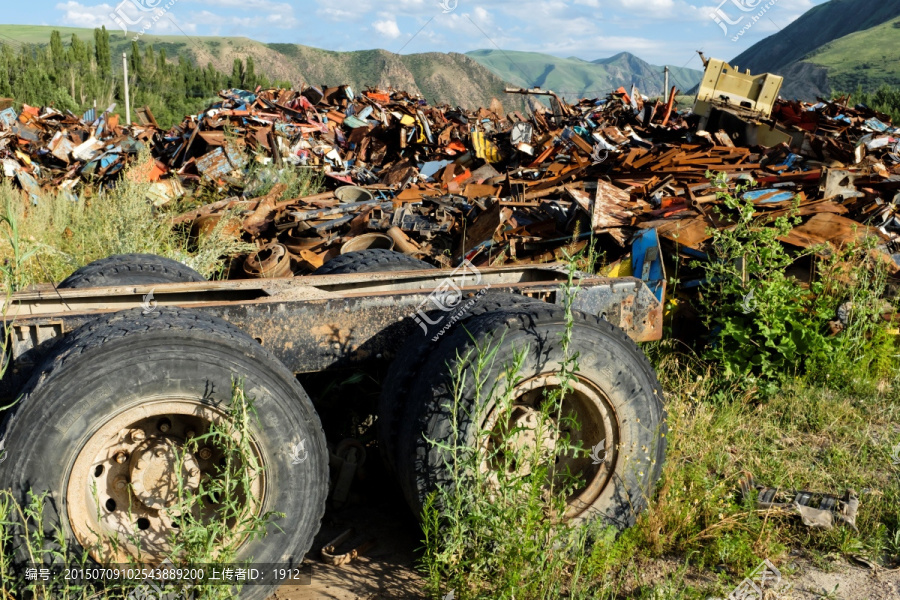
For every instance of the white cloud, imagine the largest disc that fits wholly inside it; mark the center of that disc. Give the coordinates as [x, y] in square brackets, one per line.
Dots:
[388, 28]
[481, 16]
[234, 24]
[76, 14]
[249, 5]
[344, 11]
[648, 6]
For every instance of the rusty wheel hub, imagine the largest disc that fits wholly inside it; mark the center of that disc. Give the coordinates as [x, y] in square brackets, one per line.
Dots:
[154, 473]
[586, 420]
[123, 492]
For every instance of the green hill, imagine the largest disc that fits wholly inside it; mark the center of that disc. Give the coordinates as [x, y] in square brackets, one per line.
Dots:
[869, 58]
[835, 45]
[576, 78]
[818, 26]
[441, 78]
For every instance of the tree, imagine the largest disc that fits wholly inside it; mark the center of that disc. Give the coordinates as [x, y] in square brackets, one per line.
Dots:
[104, 56]
[57, 52]
[250, 81]
[237, 76]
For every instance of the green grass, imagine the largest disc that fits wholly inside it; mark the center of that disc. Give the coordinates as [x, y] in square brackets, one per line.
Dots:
[869, 58]
[806, 437]
[59, 235]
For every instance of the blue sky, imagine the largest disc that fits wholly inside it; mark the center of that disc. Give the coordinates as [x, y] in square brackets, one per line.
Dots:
[659, 31]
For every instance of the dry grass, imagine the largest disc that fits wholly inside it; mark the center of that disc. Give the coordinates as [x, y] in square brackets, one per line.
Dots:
[61, 235]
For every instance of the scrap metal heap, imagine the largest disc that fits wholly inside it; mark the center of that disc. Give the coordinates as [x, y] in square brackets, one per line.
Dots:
[46, 150]
[444, 184]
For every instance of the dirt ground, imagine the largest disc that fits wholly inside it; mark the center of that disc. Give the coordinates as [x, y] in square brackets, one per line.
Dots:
[387, 571]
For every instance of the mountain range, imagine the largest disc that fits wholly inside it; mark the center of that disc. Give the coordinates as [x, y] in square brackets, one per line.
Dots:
[575, 78]
[834, 46]
[468, 80]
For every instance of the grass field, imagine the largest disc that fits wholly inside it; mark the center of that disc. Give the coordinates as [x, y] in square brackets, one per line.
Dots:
[869, 58]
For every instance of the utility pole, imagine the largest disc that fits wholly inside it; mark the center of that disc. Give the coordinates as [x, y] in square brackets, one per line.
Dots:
[667, 84]
[127, 97]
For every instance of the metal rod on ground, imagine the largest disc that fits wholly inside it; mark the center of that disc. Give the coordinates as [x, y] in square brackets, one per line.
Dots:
[127, 97]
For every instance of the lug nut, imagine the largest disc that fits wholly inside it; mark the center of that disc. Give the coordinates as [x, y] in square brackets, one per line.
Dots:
[190, 433]
[121, 483]
[121, 457]
[138, 435]
[164, 425]
[205, 453]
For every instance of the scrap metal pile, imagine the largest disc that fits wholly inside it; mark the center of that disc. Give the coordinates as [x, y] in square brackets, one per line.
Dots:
[444, 184]
[46, 150]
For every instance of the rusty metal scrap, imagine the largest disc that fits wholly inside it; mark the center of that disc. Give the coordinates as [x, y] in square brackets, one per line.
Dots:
[48, 151]
[493, 187]
[444, 184]
[815, 509]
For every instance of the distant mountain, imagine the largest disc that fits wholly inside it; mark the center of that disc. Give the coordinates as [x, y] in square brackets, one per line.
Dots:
[832, 46]
[468, 80]
[576, 78]
[455, 79]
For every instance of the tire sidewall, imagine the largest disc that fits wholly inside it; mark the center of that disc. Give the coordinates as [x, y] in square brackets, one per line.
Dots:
[49, 427]
[623, 375]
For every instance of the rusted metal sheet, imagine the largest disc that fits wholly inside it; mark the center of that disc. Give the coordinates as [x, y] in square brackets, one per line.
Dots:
[221, 162]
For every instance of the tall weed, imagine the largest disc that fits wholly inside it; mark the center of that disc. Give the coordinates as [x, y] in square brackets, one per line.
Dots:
[765, 324]
[493, 531]
[47, 241]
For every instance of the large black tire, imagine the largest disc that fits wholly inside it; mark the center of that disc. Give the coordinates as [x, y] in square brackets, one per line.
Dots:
[608, 361]
[375, 260]
[129, 359]
[130, 269]
[415, 351]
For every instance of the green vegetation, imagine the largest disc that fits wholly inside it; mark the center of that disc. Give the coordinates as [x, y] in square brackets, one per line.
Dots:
[470, 546]
[74, 74]
[885, 99]
[769, 325]
[47, 241]
[817, 412]
[867, 59]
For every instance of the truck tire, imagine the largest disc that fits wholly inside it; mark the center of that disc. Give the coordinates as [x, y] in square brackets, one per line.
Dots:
[374, 260]
[405, 367]
[117, 398]
[130, 269]
[617, 402]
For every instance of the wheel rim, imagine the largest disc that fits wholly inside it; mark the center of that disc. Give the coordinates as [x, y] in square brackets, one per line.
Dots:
[122, 495]
[597, 430]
